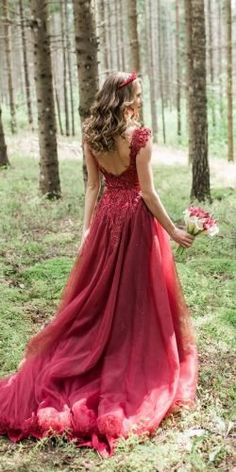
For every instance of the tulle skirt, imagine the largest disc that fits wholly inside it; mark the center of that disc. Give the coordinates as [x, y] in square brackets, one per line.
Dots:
[119, 354]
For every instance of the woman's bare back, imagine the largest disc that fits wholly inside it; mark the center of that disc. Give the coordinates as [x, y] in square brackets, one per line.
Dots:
[116, 162]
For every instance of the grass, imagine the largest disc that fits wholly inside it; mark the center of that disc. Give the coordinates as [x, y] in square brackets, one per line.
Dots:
[39, 240]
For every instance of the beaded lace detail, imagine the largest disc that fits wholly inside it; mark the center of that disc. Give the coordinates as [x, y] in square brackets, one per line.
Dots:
[122, 192]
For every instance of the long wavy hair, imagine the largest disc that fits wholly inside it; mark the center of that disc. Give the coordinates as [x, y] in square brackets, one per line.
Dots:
[106, 116]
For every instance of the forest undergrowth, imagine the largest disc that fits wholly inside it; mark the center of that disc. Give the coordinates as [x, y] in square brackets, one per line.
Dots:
[39, 241]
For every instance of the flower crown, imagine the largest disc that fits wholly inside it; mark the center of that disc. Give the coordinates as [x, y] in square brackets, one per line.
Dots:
[132, 76]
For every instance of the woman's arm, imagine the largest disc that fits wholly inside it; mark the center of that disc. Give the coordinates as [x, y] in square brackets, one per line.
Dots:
[152, 200]
[92, 188]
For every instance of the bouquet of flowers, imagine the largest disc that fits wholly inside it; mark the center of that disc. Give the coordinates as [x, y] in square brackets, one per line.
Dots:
[198, 221]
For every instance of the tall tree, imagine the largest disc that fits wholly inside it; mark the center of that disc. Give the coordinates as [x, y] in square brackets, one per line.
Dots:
[119, 35]
[133, 35]
[25, 64]
[150, 66]
[178, 88]
[219, 56]
[198, 105]
[103, 36]
[229, 81]
[189, 74]
[64, 62]
[68, 50]
[211, 60]
[123, 34]
[160, 63]
[9, 64]
[166, 56]
[134, 41]
[55, 61]
[86, 54]
[49, 181]
[3, 148]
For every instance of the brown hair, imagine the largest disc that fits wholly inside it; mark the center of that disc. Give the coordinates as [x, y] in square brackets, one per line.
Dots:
[106, 119]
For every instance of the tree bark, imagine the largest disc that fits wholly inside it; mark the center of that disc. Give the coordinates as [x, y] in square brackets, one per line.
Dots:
[68, 48]
[49, 181]
[133, 36]
[9, 65]
[3, 148]
[229, 81]
[189, 74]
[109, 20]
[151, 71]
[103, 37]
[211, 62]
[220, 61]
[160, 62]
[198, 112]
[178, 87]
[64, 62]
[119, 36]
[58, 107]
[125, 59]
[25, 65]
[87, 62]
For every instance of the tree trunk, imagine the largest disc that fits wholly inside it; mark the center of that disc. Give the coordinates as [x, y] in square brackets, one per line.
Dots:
[9, 65]
[86, 55]
[49, 181]
[134, 42]
[3, 148]
[110, 34]
[103, 37]
[166, 71]
[64, 65]
[178, 85]
[189, 74]
[220, 67]
[211, 62]
[133, 36]
[116, 34]
[107, 51]
[58, 107]
[160, 62]
[229, 81]
[25, 64]
[198, 112]
[123, 34]
[119, 36]
[68, 48]
[55, 61]
[151, 71]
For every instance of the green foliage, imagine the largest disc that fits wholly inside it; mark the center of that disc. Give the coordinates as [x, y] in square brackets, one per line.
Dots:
[39, 240]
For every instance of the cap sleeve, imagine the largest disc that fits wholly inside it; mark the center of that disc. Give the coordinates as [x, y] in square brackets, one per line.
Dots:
[140, 138]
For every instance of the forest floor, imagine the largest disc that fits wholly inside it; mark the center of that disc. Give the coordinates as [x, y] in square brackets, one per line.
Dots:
[69, 148]
[39, 240]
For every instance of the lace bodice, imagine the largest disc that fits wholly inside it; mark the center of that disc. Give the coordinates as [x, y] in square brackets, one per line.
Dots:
[128, 178]
[122, 192]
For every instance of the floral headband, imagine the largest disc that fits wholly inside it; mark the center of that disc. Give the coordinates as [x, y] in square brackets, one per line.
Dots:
[132, 76]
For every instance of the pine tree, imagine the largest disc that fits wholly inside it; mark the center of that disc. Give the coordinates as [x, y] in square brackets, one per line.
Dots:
[49, 169]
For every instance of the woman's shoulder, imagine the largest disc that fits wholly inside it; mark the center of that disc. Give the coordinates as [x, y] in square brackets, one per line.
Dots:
[141, 137]
[137, 132]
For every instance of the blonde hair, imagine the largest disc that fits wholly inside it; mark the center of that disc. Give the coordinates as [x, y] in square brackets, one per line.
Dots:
[106, 119]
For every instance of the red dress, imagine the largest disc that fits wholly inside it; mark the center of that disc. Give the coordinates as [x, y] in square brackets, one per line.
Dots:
[119, 354]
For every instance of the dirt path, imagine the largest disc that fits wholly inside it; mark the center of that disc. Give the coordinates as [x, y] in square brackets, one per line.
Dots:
[222, 172]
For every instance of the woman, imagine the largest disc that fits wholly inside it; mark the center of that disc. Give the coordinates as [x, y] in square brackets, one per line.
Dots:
[119, 354]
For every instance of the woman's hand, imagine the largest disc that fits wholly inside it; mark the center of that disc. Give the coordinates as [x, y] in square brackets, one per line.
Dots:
[181, 237]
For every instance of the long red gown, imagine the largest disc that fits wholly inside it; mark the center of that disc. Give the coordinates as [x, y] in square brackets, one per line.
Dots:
[119, 354]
